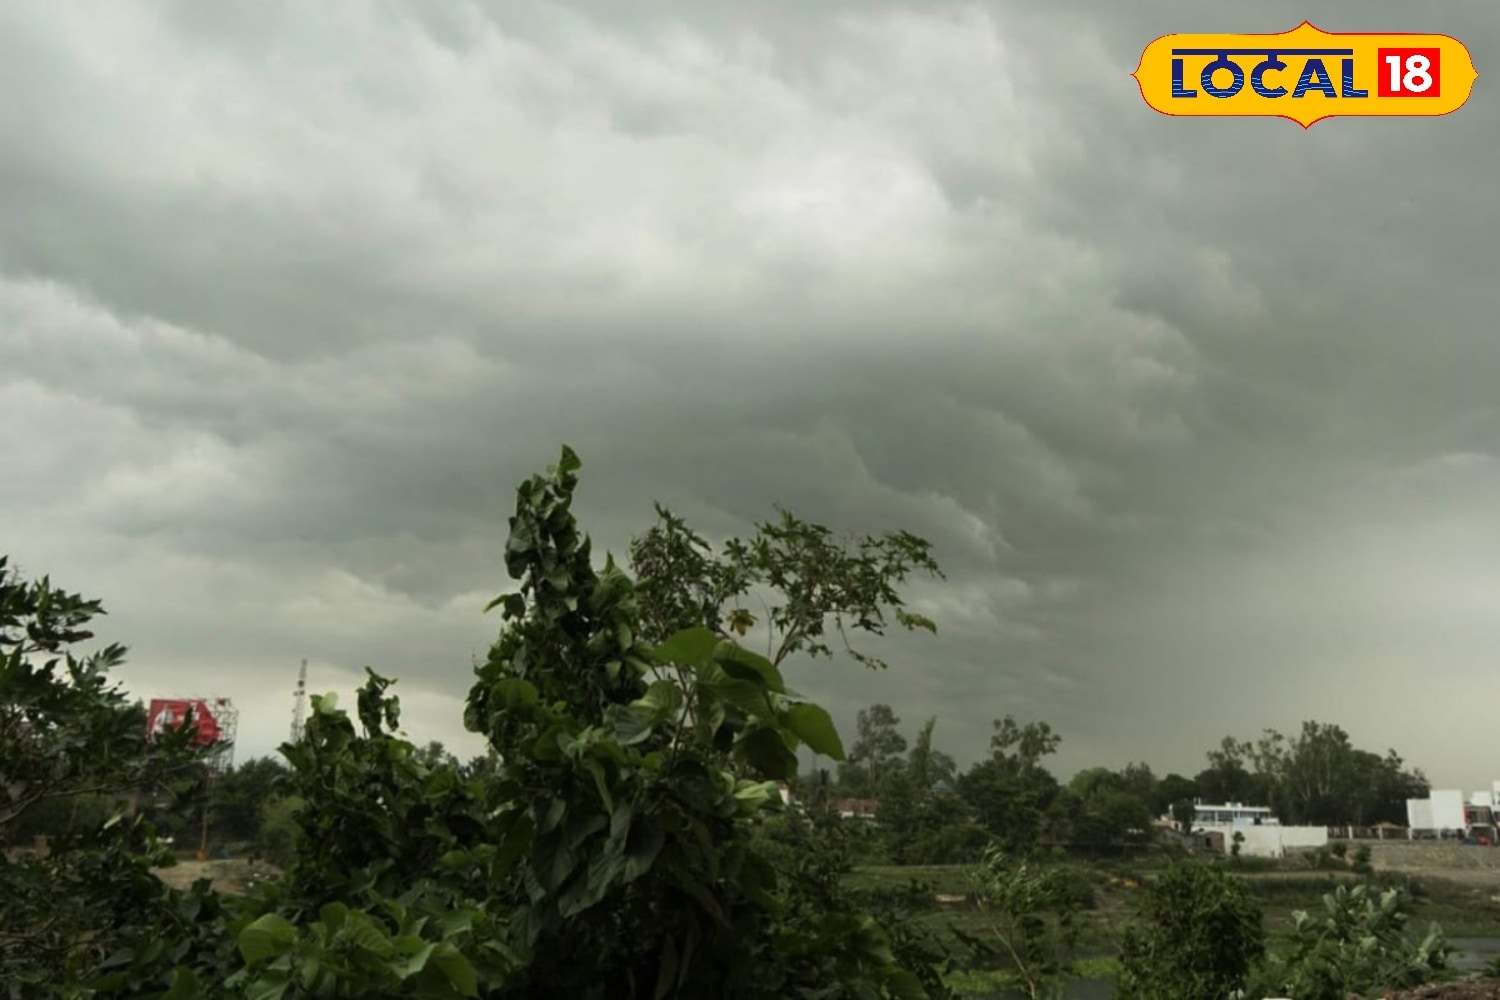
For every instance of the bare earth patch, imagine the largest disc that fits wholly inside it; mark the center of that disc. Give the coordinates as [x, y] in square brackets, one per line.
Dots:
[229, 878]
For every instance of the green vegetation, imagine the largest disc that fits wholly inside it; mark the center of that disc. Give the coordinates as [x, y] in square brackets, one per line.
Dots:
[623, 834]
[1198, 936]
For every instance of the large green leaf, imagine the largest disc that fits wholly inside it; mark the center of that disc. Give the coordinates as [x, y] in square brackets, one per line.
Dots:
[740, 662]
[904, 985]
[414, 961]
[814, 726]
[666, 975]
[765, 751]
[630, 725]
[456, 969]
[750, 697]
[266, 938]
[662, 700]
[514, 693]
[185, 986]
[642, 847]
[690, 646]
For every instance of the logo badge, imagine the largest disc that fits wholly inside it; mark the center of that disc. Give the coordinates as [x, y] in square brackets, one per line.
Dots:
[1306, 75]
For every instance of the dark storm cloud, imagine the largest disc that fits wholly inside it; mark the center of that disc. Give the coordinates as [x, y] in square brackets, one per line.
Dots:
[1197, 413]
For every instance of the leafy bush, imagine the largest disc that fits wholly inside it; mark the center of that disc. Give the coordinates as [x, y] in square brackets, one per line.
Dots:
[91, 912]
[1031, 911]
[611, 851]
[278, 830]
[1358, 944]
[1197, 936]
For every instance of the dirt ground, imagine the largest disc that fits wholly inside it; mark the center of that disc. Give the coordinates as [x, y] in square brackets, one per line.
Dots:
[228, 877]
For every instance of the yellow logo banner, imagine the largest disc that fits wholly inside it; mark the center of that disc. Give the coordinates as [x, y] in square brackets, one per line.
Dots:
[1306, 74]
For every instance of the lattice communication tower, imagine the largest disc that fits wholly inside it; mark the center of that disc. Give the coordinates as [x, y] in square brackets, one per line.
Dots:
[299, 705]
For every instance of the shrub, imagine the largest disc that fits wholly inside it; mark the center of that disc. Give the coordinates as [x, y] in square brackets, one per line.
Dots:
[1356, 945]
[1031, 910]
[1197, 936]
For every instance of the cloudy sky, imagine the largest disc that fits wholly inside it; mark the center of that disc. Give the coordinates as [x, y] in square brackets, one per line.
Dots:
[1201, 416]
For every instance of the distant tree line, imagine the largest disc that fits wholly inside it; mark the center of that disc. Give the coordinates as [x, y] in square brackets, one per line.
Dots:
[930, 812]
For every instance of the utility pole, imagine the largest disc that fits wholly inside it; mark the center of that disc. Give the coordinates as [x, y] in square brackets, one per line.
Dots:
[208, 789]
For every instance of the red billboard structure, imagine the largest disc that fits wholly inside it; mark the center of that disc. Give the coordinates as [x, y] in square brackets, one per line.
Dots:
[213, 721]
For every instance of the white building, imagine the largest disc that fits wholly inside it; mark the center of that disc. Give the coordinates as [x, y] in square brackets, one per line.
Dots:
[1234, 814]
[1445, 810]
[1261, 833]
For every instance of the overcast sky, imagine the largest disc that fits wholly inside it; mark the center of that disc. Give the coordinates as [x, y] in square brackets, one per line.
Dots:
[1201, 415]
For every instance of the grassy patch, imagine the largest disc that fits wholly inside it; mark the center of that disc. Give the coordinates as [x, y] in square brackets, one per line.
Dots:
[1461, 910]
[989, 982]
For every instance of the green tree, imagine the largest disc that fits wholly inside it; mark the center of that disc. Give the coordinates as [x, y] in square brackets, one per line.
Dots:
[1093, 780]
[1031, 913]
[813, 580]
[922, 819]
[1317, 777]
[1172, 790]
[1138, 780]
[484, 766]
[240, 797]
[1101, 808]
[621, 819]
[1011, 791]
[876, 752]
[930, 766]
[1227, 779]
[277, 834]
[90, 914]
[619, 815]
[1198, 935]
[644, 815]
[810, 581]
[435, 755]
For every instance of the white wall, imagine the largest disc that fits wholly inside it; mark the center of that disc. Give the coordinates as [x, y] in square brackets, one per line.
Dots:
[1273, 841]
[1447, 809]
[1297, 837]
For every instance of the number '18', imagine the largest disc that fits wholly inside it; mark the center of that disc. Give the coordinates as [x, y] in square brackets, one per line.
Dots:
[1412, 77]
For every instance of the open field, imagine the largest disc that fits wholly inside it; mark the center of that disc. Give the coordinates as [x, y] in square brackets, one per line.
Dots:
[1463, 897]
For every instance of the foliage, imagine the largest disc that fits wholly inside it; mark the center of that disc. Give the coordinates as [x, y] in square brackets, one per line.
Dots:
[876, 752]
[929, 766]
[1172, 792]
[1316, 777]
[630, 781]
[238, 797]
[1358, 944]
[277, 835]
[1010, 791]
[1101, 808]
[923, 825]
[1197, 936]
[614, 815]
[811, 579]
[813, 853]
[90, 911]
[1031, 912]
